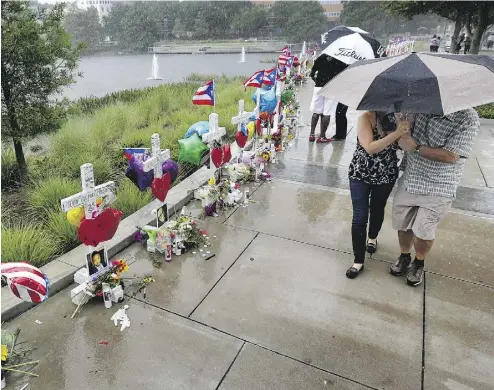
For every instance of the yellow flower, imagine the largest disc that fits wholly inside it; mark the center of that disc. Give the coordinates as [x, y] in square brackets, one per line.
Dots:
[212, 181]
[5, 353]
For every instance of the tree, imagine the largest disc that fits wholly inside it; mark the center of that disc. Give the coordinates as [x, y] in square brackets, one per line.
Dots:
[38, 60]
[84, 27]
[300, 20]
[476, 14]
[373, 16]
[250, 21]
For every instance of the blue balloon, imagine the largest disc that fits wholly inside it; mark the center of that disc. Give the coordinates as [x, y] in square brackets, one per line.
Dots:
[198, 128]
[244, 130]
[268, 100]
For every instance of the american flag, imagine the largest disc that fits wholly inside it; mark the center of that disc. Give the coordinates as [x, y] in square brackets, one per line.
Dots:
[286, 51]
[283, 60]
[269, 76]
[26, 281]
[204, 95]
[256, 80]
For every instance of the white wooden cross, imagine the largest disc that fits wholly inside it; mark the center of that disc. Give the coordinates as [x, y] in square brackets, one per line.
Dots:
[158, 157]
[89, 194]
[214, 134]
[243, 116]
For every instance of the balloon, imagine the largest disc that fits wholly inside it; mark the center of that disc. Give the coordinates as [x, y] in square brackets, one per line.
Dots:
[143, 180]
[26, 281]
[75, 216]
[221, 155]
[102, 228]
[251, 127]
[268, 100]
[241, 139]
[198, 128]
[191, 149]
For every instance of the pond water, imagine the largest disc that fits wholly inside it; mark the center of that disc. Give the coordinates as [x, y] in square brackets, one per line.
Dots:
[106, 74]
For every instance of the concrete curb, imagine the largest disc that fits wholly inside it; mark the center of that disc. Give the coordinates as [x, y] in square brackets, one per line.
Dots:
[61, 271]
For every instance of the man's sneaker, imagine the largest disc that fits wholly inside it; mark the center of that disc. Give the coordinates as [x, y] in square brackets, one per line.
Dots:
[415, 275]
[399, 268]
[312, 138]
[323, 140]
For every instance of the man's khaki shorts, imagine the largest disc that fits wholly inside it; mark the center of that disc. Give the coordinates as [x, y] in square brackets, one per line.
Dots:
[419, 213]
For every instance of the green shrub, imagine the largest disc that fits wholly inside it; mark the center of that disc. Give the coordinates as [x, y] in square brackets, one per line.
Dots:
[11, 176]
[486, 111]
[63, 233]
[130, 199]
[27, 243]
[45, 196]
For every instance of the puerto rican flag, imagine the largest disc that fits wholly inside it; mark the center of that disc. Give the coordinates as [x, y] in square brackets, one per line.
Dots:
[256, 80]
[286, 51]
[269, 76]
[204, 95]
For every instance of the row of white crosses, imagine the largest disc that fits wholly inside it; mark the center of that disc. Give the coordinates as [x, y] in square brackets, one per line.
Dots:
[213, 135]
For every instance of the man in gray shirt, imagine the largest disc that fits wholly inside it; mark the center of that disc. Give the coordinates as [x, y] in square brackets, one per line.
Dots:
[435, 156]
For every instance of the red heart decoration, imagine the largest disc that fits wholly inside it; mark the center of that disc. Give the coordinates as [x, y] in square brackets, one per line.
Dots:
[241, 139]
[160, 186]
[259, 127]
[220, 156]
[102, 228]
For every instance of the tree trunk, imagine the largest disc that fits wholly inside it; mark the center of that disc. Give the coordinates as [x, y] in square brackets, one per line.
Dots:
[14, 124]
[19, 156]
[456, 32]
[483, 16]
[468, 25]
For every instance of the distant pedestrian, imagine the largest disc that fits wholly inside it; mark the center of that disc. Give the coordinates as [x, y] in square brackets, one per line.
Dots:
[468, 44]
[323, 70]
[373, 173]
[435, 153]
[438, 44]
[434, 44]
[460, 40]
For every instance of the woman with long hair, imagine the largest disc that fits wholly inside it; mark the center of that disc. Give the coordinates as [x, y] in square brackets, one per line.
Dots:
[373, 173]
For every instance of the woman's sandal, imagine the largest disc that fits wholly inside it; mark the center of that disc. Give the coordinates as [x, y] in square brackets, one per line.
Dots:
[353, 272]
[371, 247]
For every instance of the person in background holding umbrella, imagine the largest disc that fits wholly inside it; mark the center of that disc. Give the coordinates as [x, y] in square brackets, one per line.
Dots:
[468, 44]
[434, 160]
[373, 173]
[323, 70]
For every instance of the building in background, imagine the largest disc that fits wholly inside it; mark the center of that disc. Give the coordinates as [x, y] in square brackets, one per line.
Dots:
[332, 9]
[102, 6]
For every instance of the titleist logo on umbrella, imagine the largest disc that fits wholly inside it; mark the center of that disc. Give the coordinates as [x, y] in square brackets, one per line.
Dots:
[349, 53]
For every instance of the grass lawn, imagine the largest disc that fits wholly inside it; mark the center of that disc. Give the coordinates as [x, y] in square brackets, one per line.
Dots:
[34, 228]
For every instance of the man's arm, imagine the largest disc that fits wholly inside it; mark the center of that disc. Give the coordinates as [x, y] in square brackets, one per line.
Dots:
[438, 154]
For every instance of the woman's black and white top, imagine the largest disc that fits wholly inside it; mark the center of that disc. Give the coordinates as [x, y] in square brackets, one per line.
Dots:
[379, 168]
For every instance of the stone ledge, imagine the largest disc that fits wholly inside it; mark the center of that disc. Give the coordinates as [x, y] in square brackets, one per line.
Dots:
[61, 271]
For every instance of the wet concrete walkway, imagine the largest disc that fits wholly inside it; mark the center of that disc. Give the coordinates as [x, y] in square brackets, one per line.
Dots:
[274, 310]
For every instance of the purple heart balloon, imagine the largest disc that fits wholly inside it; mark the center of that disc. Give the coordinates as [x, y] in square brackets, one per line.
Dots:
[143, 180]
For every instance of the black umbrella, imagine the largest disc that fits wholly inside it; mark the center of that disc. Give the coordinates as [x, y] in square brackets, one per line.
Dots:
[427, 83]
[350, 44]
